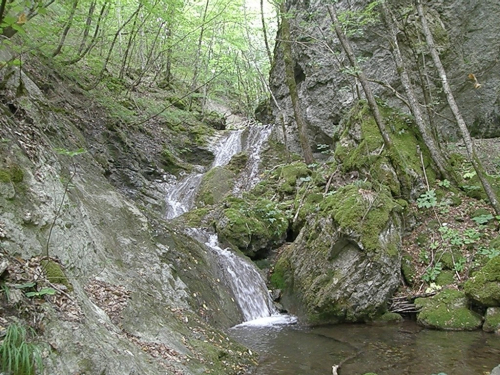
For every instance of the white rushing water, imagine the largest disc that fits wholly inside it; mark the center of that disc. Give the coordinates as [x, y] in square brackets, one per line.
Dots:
[246, 283]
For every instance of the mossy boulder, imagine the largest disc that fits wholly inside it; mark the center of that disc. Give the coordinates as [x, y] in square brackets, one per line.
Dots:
[492, 320]
[484, 287]
[388, 317]
[345, 263]
[55, 273]
[408, 269]
[447, 311]
[446, 277]
[290, 174]
[12, 173]
[251, 225]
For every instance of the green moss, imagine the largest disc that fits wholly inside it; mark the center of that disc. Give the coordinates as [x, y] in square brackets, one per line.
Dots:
[445, 278]
[55, 273]
[396, 168]
[215, 185]
[280, 274]
[238, 162]
[289, 174]
[360, 210]
[408, 269]
[252, 224]
[13, 173]
[484, 287]
[492, 320]
[447, 310]
[388, 317]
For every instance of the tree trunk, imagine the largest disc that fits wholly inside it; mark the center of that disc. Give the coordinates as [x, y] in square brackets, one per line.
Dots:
[429, 140]
[66, 29]
[361, 76]
[469, 143]
[264, 32]
[292, 87]
[198, 52]
[83, 52]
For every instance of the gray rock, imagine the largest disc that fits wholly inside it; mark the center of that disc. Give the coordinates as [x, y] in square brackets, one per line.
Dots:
[495, 371]
[466, 34]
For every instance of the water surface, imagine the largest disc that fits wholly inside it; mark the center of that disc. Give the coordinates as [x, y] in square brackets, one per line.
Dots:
[386, 350]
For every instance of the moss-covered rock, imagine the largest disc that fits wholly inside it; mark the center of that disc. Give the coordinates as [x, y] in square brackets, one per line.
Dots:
[492, 320]
[446, 277]
[215, 185]
[363, 213]
[289, 174]
[251, 225]
[55, 273]
[388, 317]
[448, 311]
[484, 287]
[361, 149]
[408, 269]
[345, 263]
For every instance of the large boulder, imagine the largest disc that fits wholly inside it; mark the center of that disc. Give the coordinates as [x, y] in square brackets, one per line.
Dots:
[492, 320]
[345, 263]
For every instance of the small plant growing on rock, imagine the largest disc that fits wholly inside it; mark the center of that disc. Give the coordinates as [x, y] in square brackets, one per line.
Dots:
[18, 355]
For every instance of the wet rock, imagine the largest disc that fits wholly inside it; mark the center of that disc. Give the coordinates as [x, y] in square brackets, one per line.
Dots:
[345, 263]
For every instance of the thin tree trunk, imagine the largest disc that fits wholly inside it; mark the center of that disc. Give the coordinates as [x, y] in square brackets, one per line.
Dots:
[149, 57]
[108, 57]
[131, 39]
[92, 43]
[292, 87]
[361, 76]
[429, 141]
[86, 29]
[264, 32]
[2, 10]
[198, 52]
[66, 29]
[469, 143]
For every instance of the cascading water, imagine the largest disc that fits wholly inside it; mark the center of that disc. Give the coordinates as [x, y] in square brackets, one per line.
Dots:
[241, 275]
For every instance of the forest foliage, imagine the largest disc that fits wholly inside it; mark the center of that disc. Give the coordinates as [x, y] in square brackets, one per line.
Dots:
[212, 48]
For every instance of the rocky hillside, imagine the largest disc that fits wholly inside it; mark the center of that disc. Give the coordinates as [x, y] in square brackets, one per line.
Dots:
[87, 259]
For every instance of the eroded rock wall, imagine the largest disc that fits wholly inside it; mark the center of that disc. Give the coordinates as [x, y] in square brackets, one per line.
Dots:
[466, 33]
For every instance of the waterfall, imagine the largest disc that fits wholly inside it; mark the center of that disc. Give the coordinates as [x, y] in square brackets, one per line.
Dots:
[180, 197]
[241, 275]
[247, 284]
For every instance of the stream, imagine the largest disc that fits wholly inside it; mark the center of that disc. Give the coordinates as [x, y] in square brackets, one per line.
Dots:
[398, 349]
[286, 347]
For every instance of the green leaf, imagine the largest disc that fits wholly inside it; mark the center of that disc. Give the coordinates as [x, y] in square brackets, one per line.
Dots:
[25, 285]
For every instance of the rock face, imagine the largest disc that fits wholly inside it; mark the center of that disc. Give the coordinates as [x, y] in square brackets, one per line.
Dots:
[466, 35]
[484, 287]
